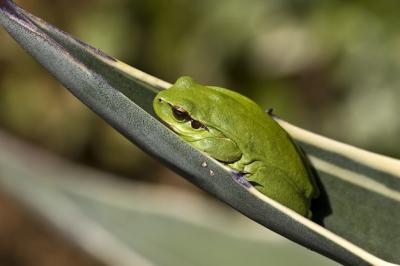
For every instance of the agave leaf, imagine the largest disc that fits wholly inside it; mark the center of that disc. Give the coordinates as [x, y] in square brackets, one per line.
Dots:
[357, 217]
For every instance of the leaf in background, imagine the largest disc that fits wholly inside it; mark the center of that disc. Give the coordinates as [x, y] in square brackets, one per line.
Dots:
[128, 223]
[360, 200]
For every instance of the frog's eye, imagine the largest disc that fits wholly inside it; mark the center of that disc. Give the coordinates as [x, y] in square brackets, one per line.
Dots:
[196, 125]
[180, 114]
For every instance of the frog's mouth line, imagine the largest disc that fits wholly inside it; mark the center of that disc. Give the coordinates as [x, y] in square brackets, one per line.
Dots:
[169, 126]
[176, 131]
[172, 128]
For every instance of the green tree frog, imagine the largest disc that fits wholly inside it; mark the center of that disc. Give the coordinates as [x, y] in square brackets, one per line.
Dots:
[234, 130]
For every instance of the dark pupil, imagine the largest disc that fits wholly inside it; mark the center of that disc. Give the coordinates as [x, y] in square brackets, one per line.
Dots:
[180, 115]
[196, 124]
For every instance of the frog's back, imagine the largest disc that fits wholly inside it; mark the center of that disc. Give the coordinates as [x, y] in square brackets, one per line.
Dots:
[243, 100]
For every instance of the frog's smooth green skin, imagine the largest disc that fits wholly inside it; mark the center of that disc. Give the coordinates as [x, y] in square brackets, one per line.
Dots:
[234, 130]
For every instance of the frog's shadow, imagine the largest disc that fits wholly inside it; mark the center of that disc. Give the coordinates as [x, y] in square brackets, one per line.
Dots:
[320, 207]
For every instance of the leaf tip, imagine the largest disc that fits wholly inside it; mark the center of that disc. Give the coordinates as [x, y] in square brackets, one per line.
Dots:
[7, 5]
[10, 9]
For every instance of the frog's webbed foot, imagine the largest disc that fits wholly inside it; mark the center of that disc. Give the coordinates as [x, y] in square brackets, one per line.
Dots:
[240, 177]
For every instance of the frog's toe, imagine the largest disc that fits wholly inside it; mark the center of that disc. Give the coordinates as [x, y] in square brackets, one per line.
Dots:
[241, 179]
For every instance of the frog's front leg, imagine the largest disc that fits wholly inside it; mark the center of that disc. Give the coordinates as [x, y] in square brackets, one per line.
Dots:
[272, 182]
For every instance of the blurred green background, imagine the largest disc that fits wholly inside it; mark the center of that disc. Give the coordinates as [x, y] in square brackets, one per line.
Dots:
[332, 67]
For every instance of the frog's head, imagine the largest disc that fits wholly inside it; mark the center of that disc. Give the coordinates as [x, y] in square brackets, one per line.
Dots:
[185, 108]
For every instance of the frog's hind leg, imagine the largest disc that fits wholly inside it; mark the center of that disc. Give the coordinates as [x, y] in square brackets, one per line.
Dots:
[272, 183]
